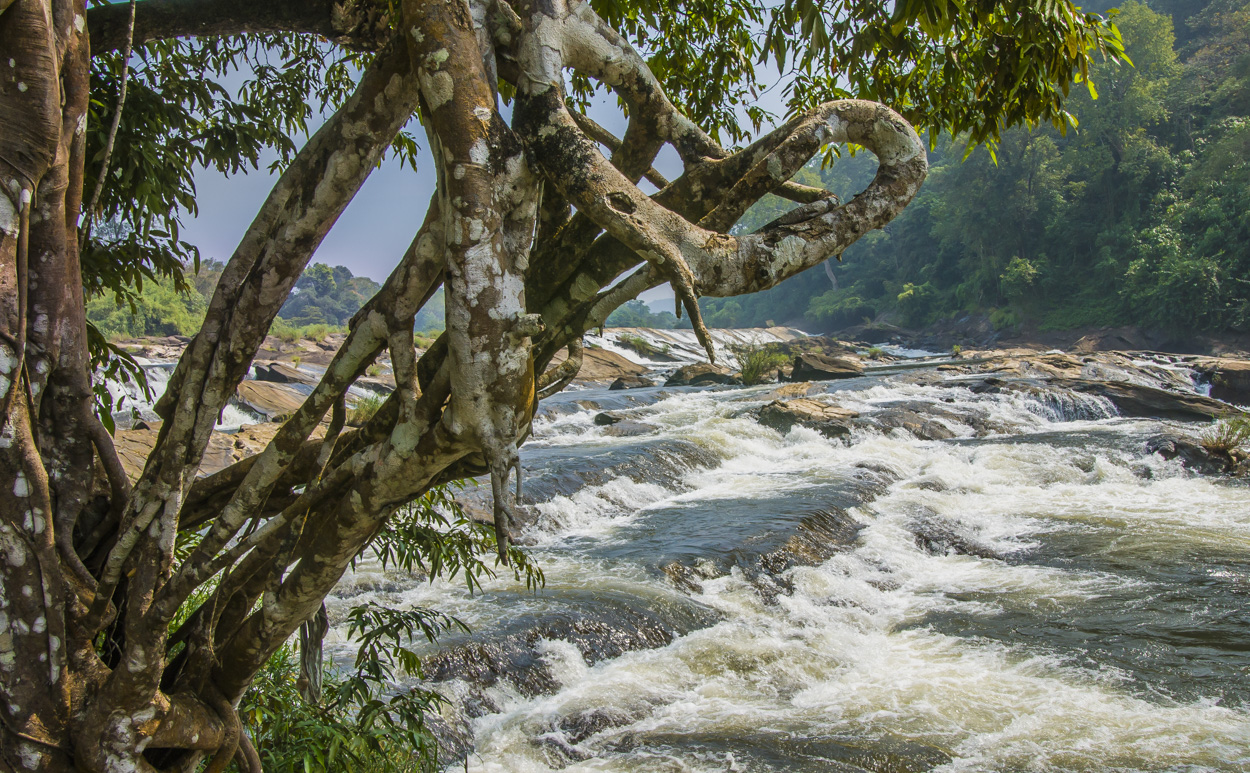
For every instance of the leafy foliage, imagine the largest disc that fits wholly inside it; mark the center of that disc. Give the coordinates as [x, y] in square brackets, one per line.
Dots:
[373, 715]
[1227, 435]
[758, 363]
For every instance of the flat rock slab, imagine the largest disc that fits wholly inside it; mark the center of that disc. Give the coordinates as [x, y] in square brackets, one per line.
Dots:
[273, 401]
[602, 365]
[224, 449]
[829, 420]
[1230, 379]
[1148, 402]
[811, 366]
[281, 373]
[702, 374]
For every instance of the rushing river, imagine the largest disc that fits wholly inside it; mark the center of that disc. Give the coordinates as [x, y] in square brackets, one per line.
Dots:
[1037, 593]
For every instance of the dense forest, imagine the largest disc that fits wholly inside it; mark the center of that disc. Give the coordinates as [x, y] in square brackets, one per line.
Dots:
[1141, 215]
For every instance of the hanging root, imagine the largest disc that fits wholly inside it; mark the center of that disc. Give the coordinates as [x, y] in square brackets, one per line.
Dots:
[500, 468]
[681, 279]
[234, 730]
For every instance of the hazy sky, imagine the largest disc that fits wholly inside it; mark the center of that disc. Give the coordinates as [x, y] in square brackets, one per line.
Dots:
[380, 222]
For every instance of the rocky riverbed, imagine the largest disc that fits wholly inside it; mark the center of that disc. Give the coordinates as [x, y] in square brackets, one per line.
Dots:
[1002, 560]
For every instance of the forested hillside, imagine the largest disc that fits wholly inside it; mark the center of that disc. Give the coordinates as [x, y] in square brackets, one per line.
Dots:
[1139, 216]
[324, 297]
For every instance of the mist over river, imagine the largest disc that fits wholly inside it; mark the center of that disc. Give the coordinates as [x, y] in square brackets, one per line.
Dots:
[1035, 593]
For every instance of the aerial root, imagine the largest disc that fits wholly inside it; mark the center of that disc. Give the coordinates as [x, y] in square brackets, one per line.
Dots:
[681, 278]
[503, 508]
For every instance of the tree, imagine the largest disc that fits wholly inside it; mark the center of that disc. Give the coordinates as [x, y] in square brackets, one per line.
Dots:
[135, 615]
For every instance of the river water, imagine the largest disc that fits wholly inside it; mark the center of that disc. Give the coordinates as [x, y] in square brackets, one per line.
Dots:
[1035, 593]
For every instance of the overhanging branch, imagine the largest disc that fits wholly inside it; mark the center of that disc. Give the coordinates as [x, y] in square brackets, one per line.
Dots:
[361, 25]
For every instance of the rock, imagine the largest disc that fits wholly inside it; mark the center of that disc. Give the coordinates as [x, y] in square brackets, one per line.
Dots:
[941, 536]
[1148, 402]
[788, 391]
[631, 382]
[1230, 379]
[829, 420]
[273, 401]
[819, 536]
[601, 365]
[818, 367]
[608, 418]
[1193, 455]
[280, 373]
[701, 374]
[630, 428]
[911, 420]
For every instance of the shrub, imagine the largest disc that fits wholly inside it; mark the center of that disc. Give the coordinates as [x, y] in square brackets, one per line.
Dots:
[1227, 435]
[368, 720]
[758, 363]
[875, 353]
[642, 345]
[957, 350]
[363, 410]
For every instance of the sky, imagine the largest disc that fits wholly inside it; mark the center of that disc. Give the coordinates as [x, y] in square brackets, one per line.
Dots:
[378, 225]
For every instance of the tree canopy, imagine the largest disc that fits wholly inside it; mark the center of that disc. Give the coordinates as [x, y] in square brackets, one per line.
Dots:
[142, 610]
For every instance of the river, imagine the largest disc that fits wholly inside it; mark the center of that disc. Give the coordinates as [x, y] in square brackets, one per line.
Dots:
[1035, 593]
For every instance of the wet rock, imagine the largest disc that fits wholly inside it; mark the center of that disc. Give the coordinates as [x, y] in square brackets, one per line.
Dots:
[1230, 379]
[608, 418]
[772, 750]
[918, 422]
[280, 373]
[580, 726]
[819, 367]
[630, 428]
[829, 420]
[381, 385]
[631, 382]
[701, 374]
[942, 536]
[603, 627]
[1193, 455]
[818, 538]
[1139, 400]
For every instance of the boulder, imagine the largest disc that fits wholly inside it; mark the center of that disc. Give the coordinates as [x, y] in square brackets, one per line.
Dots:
[829, 420]
[280, 373]
[701, 374]
[922, 426]
[1230, 379]
[608, 418]
[630, 428]
[631, 382]
[273, 401]
[810, 366]
[1193, 455]
[1148, 402]
[601, 365]
[942, 536]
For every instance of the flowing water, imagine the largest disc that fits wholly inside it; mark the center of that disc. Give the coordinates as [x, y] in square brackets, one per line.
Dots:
[1037, 593]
